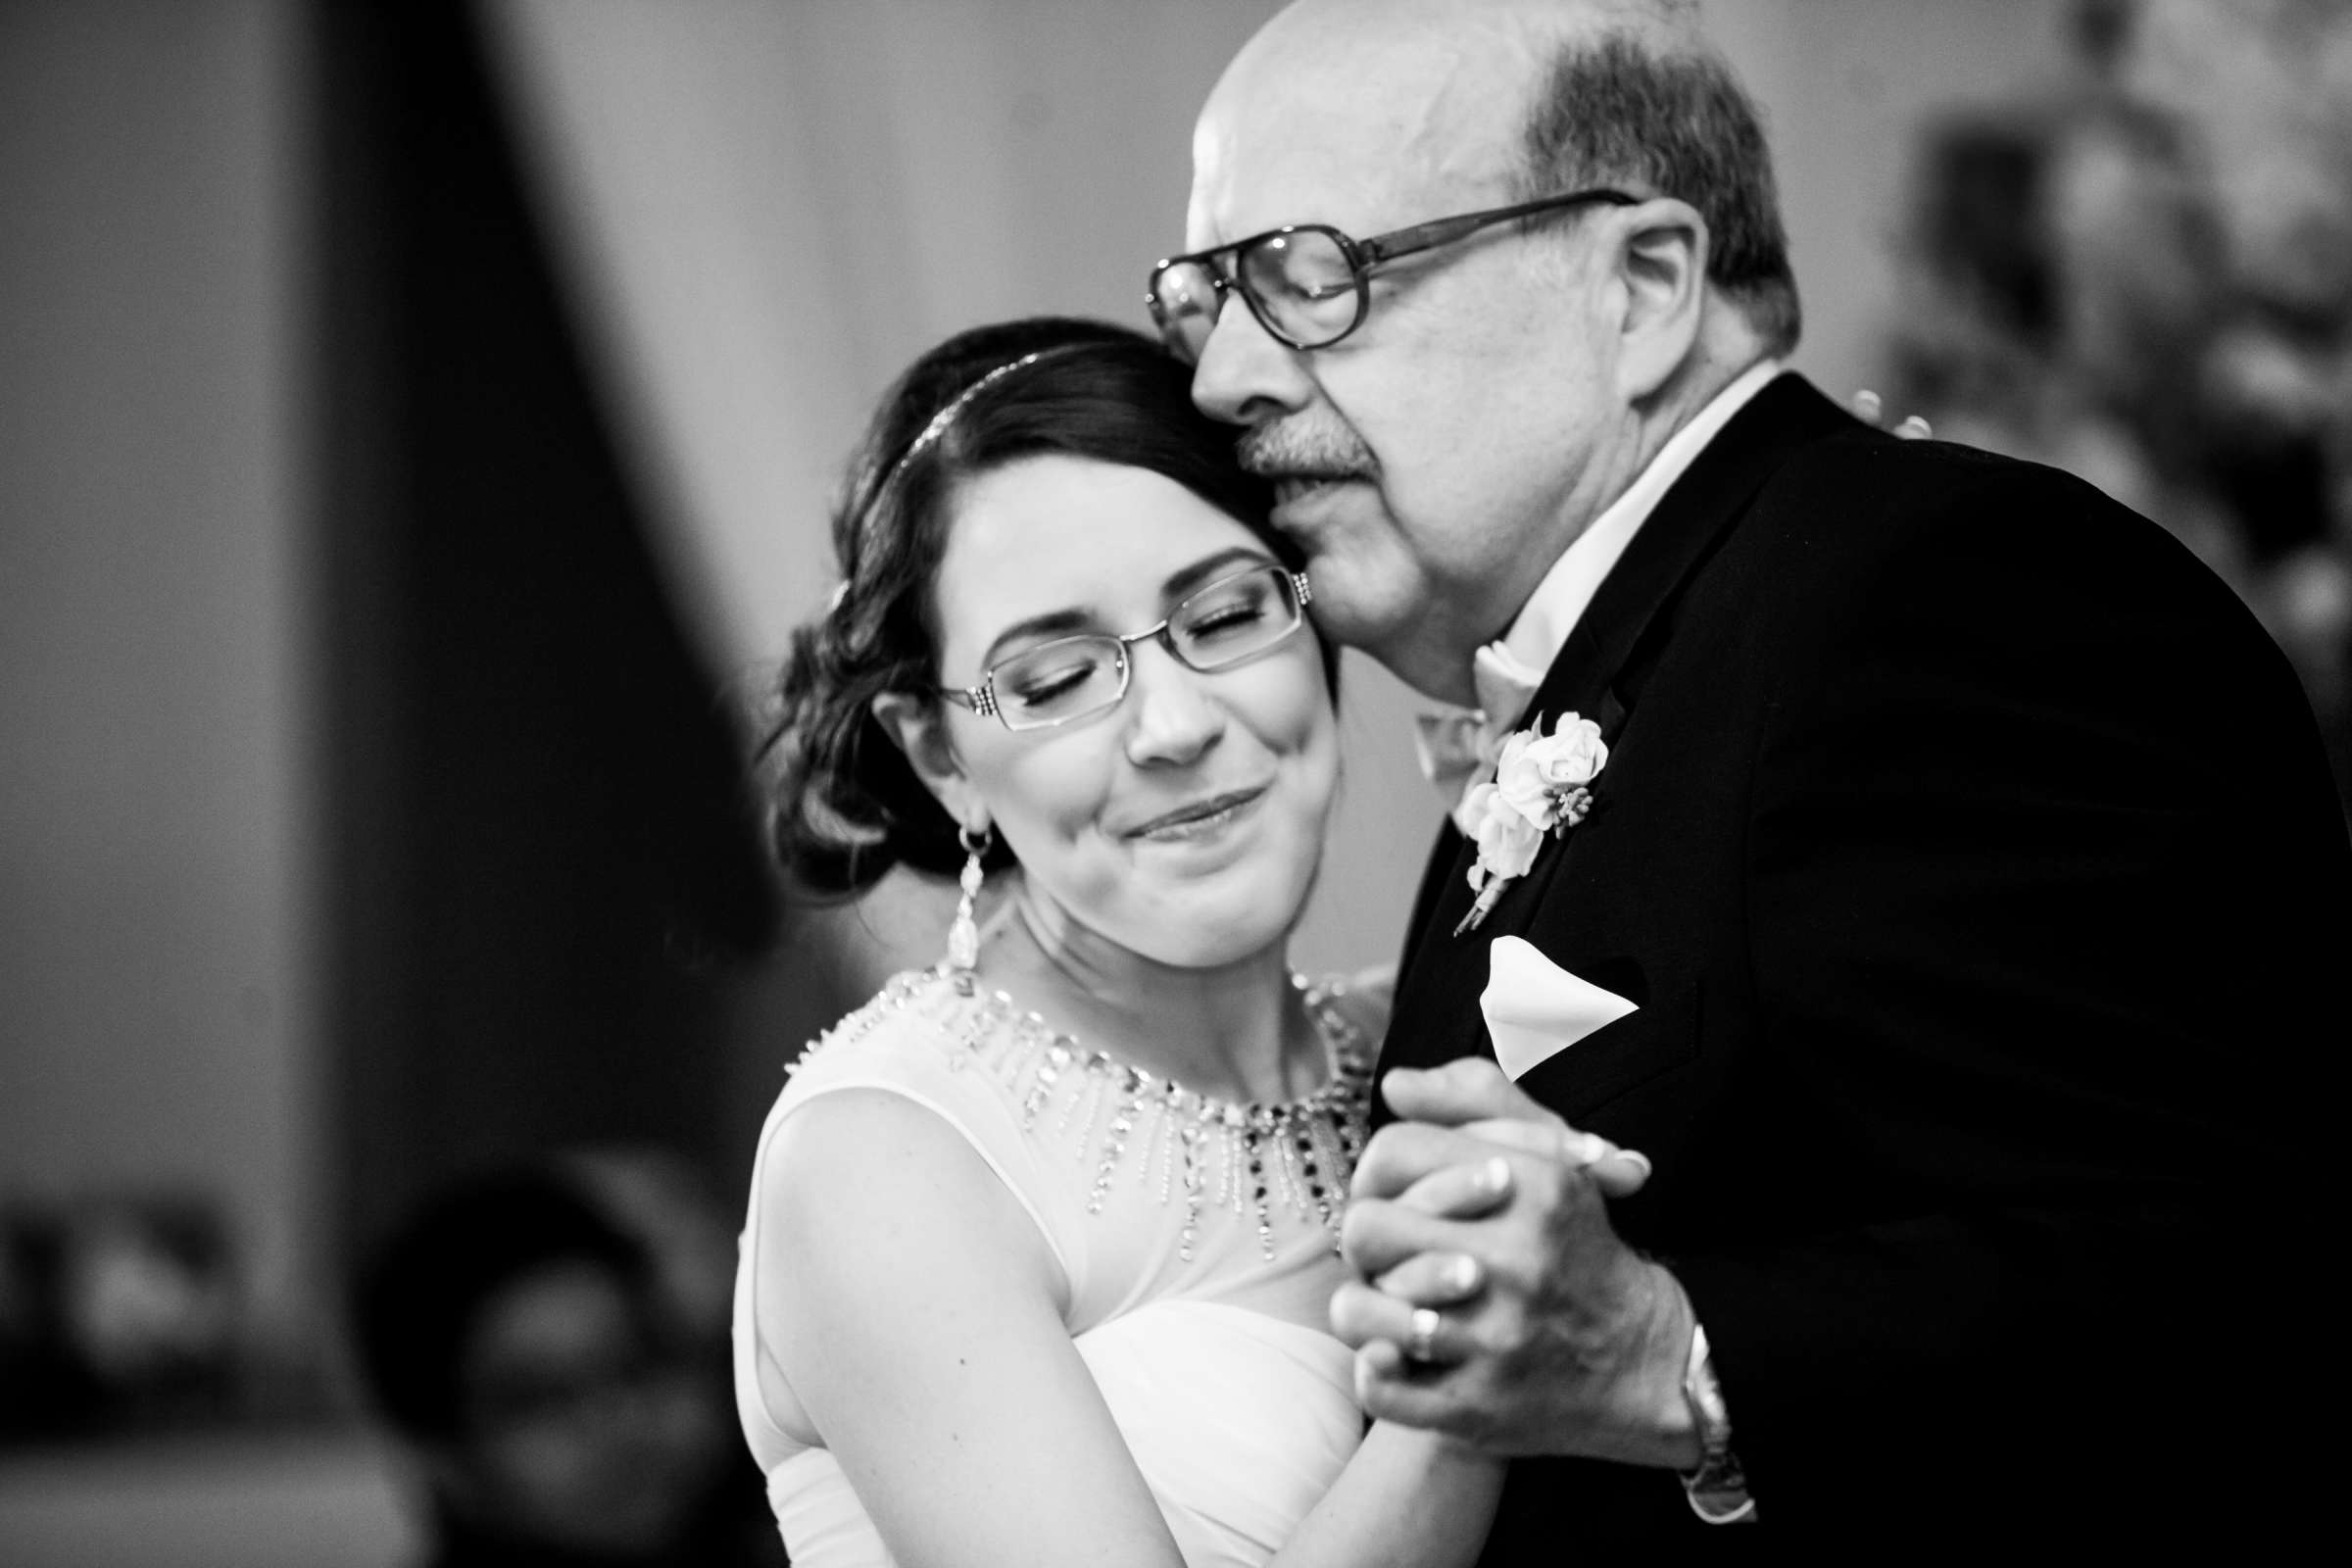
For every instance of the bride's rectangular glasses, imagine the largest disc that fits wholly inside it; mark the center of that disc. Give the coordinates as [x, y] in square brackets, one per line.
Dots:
[1233, 618]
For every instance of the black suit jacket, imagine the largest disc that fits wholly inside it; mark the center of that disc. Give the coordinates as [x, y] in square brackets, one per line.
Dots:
[1973, 859]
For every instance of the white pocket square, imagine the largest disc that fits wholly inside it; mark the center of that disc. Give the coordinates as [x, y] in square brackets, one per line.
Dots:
[1535, 1010]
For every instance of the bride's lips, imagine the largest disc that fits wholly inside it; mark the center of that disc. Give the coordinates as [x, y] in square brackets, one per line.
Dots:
[1198, 818]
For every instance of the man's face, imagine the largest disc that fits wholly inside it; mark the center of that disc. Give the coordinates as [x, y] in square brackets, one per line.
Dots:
[1433, 463]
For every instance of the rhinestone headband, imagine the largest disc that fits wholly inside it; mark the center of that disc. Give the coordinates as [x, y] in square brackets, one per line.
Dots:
[930, 433]
[928, 436]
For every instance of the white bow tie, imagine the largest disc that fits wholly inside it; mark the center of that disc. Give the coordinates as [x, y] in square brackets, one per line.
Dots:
[1456, 745]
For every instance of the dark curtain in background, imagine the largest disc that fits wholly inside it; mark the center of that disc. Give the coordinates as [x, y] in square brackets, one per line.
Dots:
[543, 870]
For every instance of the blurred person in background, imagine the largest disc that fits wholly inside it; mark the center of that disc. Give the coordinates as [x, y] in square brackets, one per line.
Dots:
[2144, 276]
[542, 1358]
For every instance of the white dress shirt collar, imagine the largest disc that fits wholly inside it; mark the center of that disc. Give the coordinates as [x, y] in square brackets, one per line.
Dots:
[1552, 611]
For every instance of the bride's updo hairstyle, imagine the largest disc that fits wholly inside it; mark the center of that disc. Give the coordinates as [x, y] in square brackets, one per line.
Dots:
[844, 804]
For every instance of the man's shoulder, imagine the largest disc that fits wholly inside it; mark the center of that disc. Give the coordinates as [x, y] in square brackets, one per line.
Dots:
[1863, 499]
[1925, 476]
[1805, 472]
[1857, 538]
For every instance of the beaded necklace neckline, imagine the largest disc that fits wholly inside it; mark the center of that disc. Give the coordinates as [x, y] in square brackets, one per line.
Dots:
[1337, 1035]
[1244, 1156]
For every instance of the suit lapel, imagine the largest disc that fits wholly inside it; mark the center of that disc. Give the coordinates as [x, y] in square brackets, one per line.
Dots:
[1598, 673]
[1691, 519]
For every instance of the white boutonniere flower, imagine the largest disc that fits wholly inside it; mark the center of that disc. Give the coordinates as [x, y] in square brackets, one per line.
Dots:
[1543, 786]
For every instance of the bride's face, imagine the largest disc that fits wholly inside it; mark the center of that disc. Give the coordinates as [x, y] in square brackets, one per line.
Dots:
[1184, 823]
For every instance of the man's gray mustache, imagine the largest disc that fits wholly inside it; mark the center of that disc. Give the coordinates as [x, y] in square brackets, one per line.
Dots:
[1275, 449]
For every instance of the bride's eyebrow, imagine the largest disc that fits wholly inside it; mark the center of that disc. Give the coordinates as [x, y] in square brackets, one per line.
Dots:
[1052, 623]
[1209, 569]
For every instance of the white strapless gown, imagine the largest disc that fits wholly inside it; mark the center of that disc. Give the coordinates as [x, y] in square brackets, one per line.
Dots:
[1236, 1402]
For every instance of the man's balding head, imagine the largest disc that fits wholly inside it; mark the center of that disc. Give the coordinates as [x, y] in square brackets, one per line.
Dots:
[1507, 100]
[1501, 381]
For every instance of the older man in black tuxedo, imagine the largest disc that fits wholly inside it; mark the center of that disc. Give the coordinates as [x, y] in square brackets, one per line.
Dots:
[1964, 854]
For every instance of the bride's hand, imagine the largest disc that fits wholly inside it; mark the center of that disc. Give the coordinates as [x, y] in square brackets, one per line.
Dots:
[1471, 1187]
[1512, 1119]
[1617, 1172]
[1532, 1328]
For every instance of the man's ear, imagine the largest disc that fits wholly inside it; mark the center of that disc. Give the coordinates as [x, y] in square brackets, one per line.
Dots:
[920, 729]
[1661, 263]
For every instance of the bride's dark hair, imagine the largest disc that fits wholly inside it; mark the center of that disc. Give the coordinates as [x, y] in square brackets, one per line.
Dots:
[843, 803]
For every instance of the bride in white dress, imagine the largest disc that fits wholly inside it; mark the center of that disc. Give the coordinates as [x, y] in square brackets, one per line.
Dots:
[1041, 1240]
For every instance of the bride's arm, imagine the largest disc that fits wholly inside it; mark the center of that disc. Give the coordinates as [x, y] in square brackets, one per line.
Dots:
[912, 1304]
[1407, 1499]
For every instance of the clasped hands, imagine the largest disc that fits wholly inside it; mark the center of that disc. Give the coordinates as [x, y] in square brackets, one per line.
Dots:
[1478, 1229]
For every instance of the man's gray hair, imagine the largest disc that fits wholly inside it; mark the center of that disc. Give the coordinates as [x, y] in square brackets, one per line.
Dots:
[1612, 109]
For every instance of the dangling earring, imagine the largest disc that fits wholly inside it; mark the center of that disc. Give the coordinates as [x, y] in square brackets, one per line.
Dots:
[963, 936]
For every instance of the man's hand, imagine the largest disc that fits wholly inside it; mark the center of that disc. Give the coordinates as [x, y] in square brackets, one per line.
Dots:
[1552, 1336]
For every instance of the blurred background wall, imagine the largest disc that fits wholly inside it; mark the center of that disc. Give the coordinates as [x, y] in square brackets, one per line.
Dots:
[161, 967]
[414, 431]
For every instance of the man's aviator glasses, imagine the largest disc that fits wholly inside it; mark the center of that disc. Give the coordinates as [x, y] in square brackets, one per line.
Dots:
[1308, 283]
[1232, 619]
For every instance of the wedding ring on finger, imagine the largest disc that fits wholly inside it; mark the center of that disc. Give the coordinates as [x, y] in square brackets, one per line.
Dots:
[1421, 1336]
